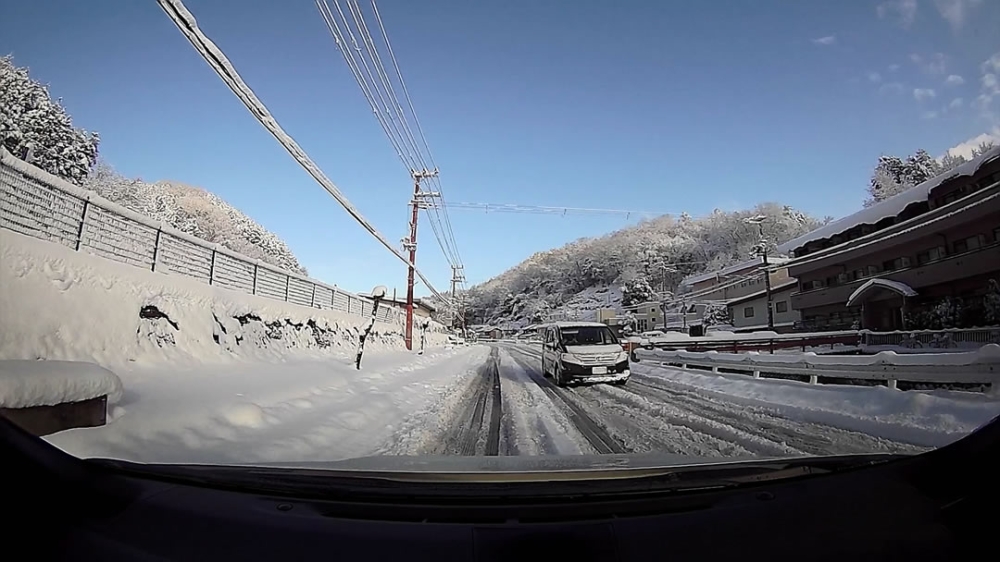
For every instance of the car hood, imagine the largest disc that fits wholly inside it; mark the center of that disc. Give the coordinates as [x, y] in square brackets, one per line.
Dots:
[592, 349]
[512, 464]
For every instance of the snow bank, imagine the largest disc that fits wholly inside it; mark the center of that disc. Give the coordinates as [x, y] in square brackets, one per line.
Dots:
[925, 418]
[24, 384]
[297, 410]
[67, 305]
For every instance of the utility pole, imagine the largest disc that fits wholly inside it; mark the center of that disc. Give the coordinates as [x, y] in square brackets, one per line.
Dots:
[411, 245]
[457, 276]
[762, 248]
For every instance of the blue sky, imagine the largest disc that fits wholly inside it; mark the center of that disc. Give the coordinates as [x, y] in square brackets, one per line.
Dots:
[652, 105]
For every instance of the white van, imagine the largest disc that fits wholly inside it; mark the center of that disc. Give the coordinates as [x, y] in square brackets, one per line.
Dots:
[583, 352]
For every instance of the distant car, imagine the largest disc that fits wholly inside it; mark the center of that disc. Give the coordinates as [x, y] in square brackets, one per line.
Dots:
[583, 352]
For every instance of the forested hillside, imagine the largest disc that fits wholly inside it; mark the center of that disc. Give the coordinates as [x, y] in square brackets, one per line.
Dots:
[38, 129]
[655, 253]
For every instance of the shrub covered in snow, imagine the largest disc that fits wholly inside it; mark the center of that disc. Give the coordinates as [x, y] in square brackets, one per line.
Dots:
[35, 127]
[196, 212]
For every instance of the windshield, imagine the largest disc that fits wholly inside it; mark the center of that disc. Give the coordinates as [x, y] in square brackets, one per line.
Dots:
[587, 336]
[773, 231]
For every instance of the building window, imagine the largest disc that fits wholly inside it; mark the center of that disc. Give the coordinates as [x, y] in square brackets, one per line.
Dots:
[781, 306]
[652, 310]
[872, 270]
[748, 312]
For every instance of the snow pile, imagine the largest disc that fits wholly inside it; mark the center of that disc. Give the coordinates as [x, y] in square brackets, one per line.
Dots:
[926, 418]
[24, 384]
[297, 410]
[62, 304]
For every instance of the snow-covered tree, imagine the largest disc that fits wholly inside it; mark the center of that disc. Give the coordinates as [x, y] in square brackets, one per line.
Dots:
[716, 314]
[991, 303]
[35, 127]
[196, 212]
[636, 291]
[893, 175]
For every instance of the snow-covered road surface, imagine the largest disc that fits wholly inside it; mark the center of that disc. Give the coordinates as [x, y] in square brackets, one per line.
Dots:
[483, 400]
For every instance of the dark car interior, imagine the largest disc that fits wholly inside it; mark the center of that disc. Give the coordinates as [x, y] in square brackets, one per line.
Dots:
[935, 506]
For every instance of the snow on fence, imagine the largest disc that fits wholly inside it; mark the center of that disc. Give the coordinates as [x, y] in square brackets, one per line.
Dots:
[976, 367]
[968, 337]
[38, 204]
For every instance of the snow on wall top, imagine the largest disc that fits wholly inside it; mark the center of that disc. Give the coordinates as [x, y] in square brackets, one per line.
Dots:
[773, 260]
[891, 206]
[26, 383]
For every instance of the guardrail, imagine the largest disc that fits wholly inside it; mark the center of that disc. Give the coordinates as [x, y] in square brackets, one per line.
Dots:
[752, 342]
[975, 367]
[38, 204]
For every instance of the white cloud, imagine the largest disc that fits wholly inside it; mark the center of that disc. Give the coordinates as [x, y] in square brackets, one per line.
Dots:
[893, 67]
[891, 88]
[929, 115]
[954, 80]
[921, 94]
[828, 40]
[965, 148]
[992, 64]
[956, 103]
[903, 11]
[956, 12]
[934, 64]
[874, 77]
[990, 83]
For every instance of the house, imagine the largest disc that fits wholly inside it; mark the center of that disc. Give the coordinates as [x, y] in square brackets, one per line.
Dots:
[886, 267]
[737, 280]
[749, 312]
[422, 308]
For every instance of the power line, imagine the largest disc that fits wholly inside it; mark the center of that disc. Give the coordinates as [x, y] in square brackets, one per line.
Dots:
[214, 56]
[537, 209]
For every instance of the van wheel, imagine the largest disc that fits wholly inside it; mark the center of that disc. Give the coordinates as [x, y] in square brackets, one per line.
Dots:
[557, 375]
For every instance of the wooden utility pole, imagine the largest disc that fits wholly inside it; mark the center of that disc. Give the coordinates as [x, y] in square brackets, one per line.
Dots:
[411, 245]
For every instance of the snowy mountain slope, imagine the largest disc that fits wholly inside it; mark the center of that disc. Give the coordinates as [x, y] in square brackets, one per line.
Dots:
[194, 211]
[659, 252]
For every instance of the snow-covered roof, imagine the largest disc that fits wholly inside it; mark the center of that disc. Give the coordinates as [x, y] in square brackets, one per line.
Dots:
[576, 324]
[895, 286]
[780, 287]
[891, 206]
[772, 260]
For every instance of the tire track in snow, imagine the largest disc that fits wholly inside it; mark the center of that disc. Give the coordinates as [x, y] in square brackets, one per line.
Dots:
[810, 438]
[533, 424]
[641, 426]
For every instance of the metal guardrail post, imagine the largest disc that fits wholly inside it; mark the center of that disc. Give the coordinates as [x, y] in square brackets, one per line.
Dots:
[156, 249]
[288, 281]
[253, 290]
[211, 269]
[83, 221]
[312, 299]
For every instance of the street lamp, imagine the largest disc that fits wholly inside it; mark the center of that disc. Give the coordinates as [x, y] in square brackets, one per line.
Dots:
[378, 293]
[761, 248]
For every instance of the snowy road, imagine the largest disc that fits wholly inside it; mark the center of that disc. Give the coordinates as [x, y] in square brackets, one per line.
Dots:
[651, 414]
[494, 401]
